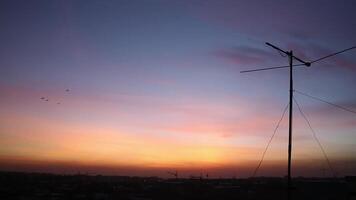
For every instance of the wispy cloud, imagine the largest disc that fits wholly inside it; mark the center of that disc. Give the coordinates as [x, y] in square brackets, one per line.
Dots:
[244, 56]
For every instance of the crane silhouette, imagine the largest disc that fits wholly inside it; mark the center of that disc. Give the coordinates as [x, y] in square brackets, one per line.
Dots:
[175, 174]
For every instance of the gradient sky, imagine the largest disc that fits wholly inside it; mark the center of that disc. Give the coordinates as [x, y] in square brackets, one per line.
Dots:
[155, 86]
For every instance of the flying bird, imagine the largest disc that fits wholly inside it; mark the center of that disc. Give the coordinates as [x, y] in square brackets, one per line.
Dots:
[46, 99]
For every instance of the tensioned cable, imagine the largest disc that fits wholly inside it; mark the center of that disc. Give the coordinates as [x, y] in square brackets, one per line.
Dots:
[270, 140]
[268, 68]
[333, 104]
[313, 61]
[333, 54]
[315, 137]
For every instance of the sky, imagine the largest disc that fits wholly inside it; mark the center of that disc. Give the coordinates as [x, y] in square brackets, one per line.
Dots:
[144, 87]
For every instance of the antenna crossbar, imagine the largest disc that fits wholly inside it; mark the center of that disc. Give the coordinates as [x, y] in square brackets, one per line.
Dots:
[288, 54]
[304, 63]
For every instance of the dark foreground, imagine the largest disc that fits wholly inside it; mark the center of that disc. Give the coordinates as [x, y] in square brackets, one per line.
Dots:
[15, 185]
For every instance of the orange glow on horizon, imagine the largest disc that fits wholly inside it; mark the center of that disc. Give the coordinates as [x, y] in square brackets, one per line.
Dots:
[52, 141]
[85, 133]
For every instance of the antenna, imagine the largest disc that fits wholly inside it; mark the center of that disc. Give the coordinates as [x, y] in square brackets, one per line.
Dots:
[291, 57]
[297, 65]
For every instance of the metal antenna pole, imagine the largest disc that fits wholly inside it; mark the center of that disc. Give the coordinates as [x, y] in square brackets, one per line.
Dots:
[290, 122]
[302, 63]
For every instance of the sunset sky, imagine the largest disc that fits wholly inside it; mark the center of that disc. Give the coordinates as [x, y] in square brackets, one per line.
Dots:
[156, 86]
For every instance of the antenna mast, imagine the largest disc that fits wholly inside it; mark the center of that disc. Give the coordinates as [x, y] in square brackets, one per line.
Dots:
[290, 120]
[291, 90]
[291, 57]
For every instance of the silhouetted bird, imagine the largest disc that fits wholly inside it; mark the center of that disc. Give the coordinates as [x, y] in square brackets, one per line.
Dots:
[67, 90]
[42, 98]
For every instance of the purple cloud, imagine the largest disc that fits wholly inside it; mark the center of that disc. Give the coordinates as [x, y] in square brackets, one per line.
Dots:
[244, 55]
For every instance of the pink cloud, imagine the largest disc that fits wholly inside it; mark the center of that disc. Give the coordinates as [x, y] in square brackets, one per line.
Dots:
[244, 55]
[183, 116]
